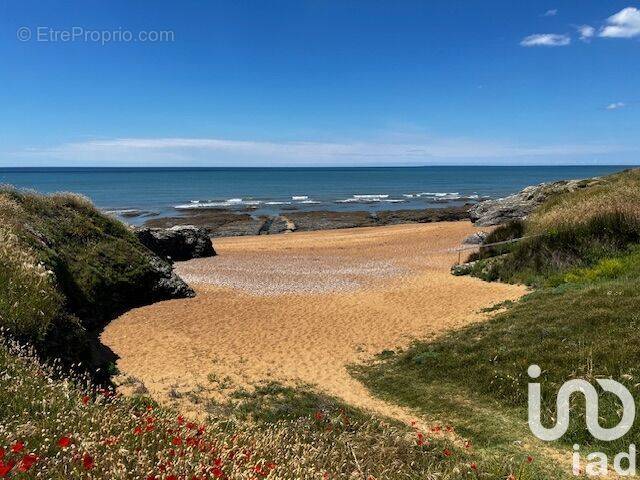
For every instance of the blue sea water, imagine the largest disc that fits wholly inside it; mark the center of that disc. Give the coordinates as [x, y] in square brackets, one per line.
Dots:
[166, 191]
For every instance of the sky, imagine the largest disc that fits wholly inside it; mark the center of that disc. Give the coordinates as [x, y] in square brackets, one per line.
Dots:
[319, 82]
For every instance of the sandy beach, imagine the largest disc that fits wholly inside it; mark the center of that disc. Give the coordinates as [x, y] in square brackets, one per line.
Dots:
[299, 308]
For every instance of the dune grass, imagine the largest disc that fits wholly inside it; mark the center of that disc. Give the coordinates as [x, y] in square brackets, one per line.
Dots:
[581, 322]
[67, 269]
[58, 427]
[572, 230]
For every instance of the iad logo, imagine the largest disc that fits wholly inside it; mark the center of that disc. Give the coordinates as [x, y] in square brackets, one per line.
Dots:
[591, 399]
[599, 461]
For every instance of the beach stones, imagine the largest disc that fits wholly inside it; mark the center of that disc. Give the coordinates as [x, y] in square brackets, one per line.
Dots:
[181, 242]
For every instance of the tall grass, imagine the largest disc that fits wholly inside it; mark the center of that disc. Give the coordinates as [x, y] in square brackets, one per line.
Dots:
[575, 229]
[58, 427]
[29, 300]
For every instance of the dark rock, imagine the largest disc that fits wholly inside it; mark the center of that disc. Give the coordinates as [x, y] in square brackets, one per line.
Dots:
[327, 220]
[427, 215]
[462, 269]
[518, 206]
[250, 226]
[180, 242]
[477, 238]
[279, 224]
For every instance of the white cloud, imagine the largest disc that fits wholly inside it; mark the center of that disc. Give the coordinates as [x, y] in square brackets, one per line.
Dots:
[551, 13]
[222, 152]
[586, 32]
[616, 105]
[624, 24]
[546, 40]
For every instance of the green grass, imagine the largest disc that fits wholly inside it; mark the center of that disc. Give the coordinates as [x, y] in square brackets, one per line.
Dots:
[294, 434]
[572, 230]
[69, 269]
[581, 322]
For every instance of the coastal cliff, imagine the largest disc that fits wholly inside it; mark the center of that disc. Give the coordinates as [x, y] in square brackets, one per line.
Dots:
[68, 269]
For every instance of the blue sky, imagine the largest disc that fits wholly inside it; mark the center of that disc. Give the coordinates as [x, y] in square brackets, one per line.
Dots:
[319, 83]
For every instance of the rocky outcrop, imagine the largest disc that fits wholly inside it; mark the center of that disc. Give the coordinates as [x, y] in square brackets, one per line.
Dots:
[180, 242]
[477, 238]
[222, 223]
[427, 215]
[518, 206]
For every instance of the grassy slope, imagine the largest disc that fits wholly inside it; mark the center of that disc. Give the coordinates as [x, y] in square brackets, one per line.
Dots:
[68, 269]
[582, 322]
[295, 435]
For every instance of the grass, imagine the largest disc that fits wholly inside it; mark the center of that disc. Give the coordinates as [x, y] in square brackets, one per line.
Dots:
[69, 269]
[572, 230]
[58, 427]
[582, 321]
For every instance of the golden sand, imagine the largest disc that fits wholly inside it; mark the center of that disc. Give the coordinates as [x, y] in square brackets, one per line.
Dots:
[299, 308]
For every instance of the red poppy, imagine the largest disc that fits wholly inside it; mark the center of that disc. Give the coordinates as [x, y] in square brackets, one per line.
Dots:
[177, 441]
[529, 459]
[217, 472]
[87, 462]
[318, 415]
[172, 477]
[85, 399]
[17, 447]
[64, 442]
[27, 462]
[5, 468]
[446, 452]
[474, 467]
[137, 430]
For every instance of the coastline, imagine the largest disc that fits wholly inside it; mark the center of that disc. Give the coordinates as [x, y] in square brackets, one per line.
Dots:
[299, 309]
[225, 223]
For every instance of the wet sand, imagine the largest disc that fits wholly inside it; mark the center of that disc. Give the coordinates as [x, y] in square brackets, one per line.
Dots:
[299, 308]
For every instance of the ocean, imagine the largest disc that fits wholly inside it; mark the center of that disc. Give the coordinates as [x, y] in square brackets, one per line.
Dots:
[135, 194]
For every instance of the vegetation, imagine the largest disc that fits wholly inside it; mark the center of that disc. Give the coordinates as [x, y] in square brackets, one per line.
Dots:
[581, 322]
[58, 427]
[67, 269]
[571, 230]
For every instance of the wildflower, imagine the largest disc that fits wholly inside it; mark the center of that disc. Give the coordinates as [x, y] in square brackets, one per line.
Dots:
[474, 467]
[446, 452]
[27, 462]
[467, 444]
[87, 462]
[5, 468]
[511, 477]
[318, 415]
[64, 442]
[85, 400]
[17, 447]
[177, 441]
[529, 459]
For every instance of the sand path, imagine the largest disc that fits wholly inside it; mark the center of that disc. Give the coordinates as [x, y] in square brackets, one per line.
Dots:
[300, 308]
